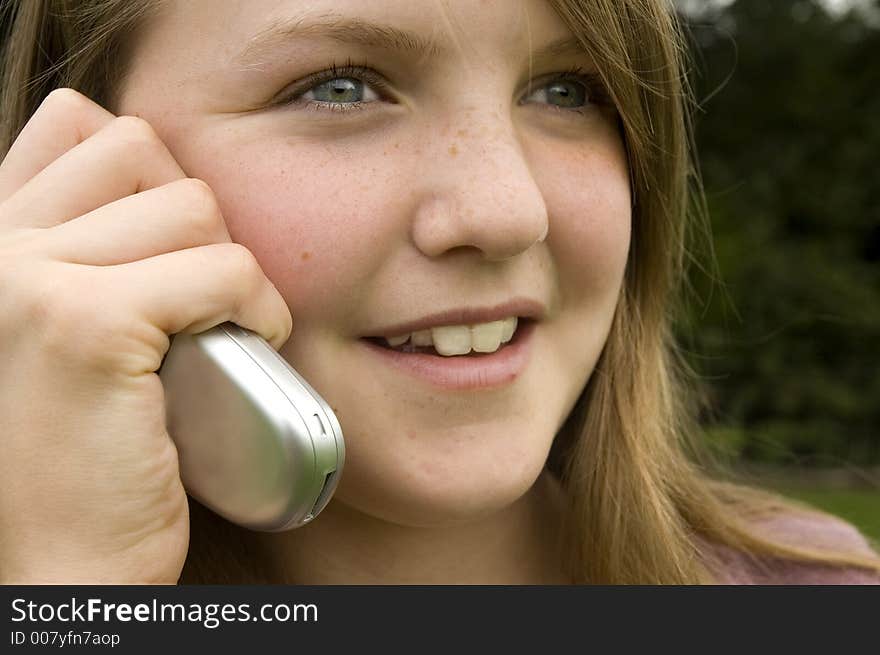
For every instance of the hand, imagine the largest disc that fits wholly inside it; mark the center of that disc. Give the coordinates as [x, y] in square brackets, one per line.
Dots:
[106, 249]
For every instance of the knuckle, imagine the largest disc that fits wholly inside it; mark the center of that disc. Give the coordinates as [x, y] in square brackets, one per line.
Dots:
[66, 101]
[243, 263]
[201, 209]
[136, 134]
[199, 190]
[243, 270]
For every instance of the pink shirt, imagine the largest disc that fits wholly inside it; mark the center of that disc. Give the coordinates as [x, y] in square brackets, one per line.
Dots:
[798, 530]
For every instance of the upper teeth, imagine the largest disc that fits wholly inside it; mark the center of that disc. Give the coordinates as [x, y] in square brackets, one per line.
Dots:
[461, 339]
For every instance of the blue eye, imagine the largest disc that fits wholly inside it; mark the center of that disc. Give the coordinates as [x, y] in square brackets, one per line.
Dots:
[568, 94]
[574, 90]
[341, 90]
[351, 87]
[344, 88]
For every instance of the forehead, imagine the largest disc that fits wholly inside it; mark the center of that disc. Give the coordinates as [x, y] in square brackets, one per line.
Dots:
[243, 31]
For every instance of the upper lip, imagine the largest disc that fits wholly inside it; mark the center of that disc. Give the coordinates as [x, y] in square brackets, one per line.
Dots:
[520, 307]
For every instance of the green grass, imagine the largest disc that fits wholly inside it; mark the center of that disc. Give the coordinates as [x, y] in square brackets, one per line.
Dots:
[861, 508]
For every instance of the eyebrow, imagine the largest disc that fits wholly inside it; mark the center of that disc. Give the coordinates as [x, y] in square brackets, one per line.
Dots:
[356, 31]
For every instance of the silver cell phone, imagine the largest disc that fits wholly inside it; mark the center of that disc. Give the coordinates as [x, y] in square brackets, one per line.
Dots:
[257, 444]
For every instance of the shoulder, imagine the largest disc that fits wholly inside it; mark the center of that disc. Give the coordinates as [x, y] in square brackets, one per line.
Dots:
[807, 530]
[815, 530]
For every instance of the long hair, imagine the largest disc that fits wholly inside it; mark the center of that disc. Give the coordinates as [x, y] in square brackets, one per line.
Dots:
[643, 506]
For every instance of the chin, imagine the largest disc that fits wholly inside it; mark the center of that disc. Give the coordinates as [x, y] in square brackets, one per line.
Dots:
[438, 496]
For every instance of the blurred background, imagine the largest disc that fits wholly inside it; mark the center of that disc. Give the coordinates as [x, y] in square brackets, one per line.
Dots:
[787, 342]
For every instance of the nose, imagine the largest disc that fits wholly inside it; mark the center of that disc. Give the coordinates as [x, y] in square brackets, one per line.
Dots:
[476, 190]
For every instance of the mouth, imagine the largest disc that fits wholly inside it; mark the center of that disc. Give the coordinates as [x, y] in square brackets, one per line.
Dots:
[471, 372]
[523, 325]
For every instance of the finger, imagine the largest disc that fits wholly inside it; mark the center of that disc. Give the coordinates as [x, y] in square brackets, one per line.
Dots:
[193, 290]
[64, 119]
[176, 216]
[124, 157]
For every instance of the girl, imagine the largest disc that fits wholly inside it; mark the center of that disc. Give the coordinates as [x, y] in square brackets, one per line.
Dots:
[417, 177]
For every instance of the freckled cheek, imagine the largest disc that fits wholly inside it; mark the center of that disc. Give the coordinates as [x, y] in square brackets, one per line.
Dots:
[591, 222]
[308, 226]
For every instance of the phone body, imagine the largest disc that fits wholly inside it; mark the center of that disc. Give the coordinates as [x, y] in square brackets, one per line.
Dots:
[256, 443]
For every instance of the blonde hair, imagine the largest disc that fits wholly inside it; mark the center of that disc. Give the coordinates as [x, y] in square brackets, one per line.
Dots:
[643, 507]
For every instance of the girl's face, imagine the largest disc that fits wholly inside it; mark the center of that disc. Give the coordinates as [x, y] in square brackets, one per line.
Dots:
[420, 179]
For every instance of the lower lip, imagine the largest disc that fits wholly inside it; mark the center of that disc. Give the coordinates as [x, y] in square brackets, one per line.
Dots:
[464, 373]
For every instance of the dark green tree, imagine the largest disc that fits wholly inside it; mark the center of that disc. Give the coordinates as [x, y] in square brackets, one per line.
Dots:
[789, 141]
